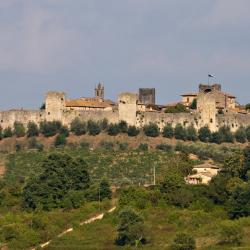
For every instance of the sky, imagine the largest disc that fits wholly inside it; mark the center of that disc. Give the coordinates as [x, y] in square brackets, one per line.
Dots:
[71, 45]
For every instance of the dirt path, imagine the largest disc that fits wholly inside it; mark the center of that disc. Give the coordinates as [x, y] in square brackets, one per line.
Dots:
[2, 166]
[69, 230]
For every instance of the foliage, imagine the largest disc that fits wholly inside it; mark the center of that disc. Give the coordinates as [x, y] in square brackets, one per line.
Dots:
[78, 127]
[7, 132]
[84, 145]
[130, 228]
[191, 133]
[93, 127]
[113, 129]
[143, 147]
[104, 124]
[123, 145]
[178, 108]
[105, 191]
[50, 128]
[34, 144]
[247, 106]
[19, 129]
[64, 131]
[168, 131]
[151, 130]
[32, 129]
[43, 106]
[180, 132]
[123, 126]
[216, 137]
[1, 133]
[226, 134]
[61, 174]
[240, 135]
[164, 147]
[107, 145]
[204, 134]
[183, 241]
[60, 140]
[248, 133]
[133, 131]
[193, 105]
[234, 165]
[230, 233]
[239, 202]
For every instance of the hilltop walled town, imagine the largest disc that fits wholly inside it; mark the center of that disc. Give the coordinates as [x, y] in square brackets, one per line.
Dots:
[213, 108]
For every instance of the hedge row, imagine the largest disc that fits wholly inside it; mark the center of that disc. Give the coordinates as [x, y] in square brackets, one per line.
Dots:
[93, 128]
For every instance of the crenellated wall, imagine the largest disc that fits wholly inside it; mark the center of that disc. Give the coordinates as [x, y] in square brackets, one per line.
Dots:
[128, 110]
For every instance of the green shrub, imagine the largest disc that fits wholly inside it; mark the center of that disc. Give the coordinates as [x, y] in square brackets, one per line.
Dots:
[7, 132]
[107, 145]
[34, 144]
[183, 241]
[180, 132]
[143, 147]
[204, 134]
[191, 133]
[113, 129]
[168, 131]
[105, 190]
[133, 131]
[179, 108]
[193, 105]
[239, 202]
[164, 147]
[19, 129]
[230, 233]
[1, 133]
[151, 130]
[50, 128]
[78, 127]
[240, 135]
[248, 133]
[123, 126]
[104, 124]
[226, 134]
[32, 129]
[84, 145]
[130, 228]
[18, 146]
[123, 145]
[216, 137]
[93, 128]
[64, 131]
[61, 174]
[60, 140]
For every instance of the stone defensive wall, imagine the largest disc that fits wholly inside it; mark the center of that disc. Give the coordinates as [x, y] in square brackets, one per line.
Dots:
[161, 119]
[98, 115]
[8, 118]
[233, 120]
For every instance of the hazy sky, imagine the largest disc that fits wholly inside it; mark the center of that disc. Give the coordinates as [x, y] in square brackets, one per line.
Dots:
[71, 45]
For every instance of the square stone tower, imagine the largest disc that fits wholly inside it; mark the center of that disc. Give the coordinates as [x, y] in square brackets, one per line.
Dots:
[147, 96]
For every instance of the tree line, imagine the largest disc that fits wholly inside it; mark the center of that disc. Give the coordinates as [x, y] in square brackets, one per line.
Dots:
[93, 128]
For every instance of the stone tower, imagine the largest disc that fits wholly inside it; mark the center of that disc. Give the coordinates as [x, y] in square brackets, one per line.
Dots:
[209, 88]
[99, 91]
[147, 95]
[206, 107]
[55, 105]
[127, 105]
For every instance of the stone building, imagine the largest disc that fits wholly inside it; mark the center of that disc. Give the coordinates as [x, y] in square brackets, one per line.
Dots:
[215, 108]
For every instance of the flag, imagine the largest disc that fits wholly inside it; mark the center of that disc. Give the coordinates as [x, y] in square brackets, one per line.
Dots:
[209, 75]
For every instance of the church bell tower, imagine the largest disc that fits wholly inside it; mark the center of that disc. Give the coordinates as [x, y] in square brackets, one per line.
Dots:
[99, 91]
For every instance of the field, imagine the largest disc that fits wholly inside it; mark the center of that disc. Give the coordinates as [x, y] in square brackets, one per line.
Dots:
[162, 224]
[122, 168]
